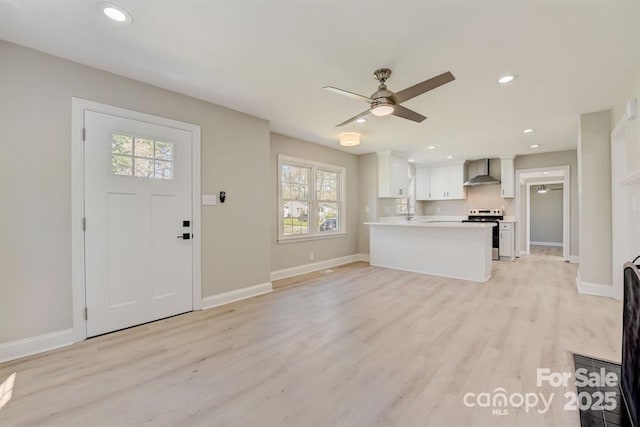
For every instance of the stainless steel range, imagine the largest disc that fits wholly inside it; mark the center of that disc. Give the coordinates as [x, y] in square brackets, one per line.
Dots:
[489, 215]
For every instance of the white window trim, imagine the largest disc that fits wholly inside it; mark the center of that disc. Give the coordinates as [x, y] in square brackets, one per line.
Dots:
[313, 214]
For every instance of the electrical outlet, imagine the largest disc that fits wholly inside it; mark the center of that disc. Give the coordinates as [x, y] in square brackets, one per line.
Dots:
[386, 209]
[437, 210]
[366, 209]
[311, 256]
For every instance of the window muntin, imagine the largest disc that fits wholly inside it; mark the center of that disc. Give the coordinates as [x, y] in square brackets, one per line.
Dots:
[141, 157]
[311, 198]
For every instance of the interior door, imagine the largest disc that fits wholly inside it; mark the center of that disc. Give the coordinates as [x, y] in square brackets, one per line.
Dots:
[138, 245]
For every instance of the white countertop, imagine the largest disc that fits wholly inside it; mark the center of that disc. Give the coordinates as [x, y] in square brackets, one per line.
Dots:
[434, 224]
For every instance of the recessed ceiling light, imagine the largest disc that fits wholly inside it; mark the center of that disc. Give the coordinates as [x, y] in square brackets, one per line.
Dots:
[431, 147]
[546, 173]
[535, 146]
[115, 13]
[412, 160]
[449, 157]
[361, 120]
[506, 79]
[527, 130]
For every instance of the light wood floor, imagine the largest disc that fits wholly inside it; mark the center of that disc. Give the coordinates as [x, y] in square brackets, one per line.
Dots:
[545, 250]
[362, 346]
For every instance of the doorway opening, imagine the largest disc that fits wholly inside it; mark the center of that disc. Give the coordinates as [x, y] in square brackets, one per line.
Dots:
[544, 230]
[542, 212]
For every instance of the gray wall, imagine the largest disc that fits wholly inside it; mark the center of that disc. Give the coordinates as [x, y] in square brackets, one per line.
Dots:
[557, 158]
[546, 214]
[290, 254]
[35, 212]
[368, 197]
[594, 154]
[481, 196]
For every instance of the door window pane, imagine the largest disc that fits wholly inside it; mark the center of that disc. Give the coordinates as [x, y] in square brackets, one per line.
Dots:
[121, 165]
[143, 168]
[142, 157]
[143, 148]
[164, 150]
[121, 144]
[164, 170]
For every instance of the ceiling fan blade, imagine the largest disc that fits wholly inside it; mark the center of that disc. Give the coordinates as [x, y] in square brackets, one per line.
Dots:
[364, 113]
[405, 113]
[425, 86]
[349, 94]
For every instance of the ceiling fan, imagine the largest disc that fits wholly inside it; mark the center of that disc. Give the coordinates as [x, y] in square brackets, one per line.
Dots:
[384, 102]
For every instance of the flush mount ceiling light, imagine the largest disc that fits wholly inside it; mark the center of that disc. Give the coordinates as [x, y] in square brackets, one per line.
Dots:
[349, 139]
[449, 157]
[115, 13]
[506, 79]
[361, 120]
[546, 173]
[431, 147]
[527, 130]
[411, 160]
[535, 146]
[542, 189]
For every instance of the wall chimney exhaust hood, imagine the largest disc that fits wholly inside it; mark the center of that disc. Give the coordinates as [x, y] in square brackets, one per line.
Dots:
[483, 177]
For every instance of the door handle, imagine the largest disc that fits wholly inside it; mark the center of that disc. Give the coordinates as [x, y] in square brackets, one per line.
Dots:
[185, 236]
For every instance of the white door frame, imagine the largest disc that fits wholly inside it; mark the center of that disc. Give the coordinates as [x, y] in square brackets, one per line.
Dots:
[78, 108]
[528, 213]
[566, 209]
[620, 220]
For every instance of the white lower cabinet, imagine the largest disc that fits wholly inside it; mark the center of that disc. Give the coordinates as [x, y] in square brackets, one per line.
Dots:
[507, 240]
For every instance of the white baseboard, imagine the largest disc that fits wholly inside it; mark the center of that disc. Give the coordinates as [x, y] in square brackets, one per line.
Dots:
[547, 244]
[27, 346]
[363, 257]
[574, 259]
[315, 266]
[236, 295]
[596, 289]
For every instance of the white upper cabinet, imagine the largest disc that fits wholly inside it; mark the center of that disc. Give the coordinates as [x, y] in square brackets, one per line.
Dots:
[507, 185]
[393, 175]
[441, 182]
[455, 181]
[423, 183]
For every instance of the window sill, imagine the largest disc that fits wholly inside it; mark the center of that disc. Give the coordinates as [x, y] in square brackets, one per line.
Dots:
[284, 240]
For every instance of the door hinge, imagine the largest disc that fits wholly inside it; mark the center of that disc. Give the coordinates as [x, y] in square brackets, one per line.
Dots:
[86, 313]
[84, 134]
[84, 224]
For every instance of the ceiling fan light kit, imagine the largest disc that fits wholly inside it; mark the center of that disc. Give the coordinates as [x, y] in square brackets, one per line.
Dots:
[383, 102]
[349, 139]
[382, 110]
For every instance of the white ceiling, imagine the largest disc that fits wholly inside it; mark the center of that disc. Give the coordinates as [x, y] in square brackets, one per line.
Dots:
[272, 58]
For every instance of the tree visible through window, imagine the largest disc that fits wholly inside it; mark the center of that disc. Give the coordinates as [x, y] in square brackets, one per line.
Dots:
[306, 212]
[140, 157]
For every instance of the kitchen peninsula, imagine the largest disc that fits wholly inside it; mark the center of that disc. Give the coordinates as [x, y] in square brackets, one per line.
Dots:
[450, 249]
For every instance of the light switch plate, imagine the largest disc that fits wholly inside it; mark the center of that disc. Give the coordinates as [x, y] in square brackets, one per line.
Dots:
[209, 200]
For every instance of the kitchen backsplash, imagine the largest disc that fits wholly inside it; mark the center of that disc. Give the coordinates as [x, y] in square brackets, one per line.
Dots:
[481, 196]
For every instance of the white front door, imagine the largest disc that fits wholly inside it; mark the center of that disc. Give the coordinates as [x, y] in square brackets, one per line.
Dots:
[138, 246]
